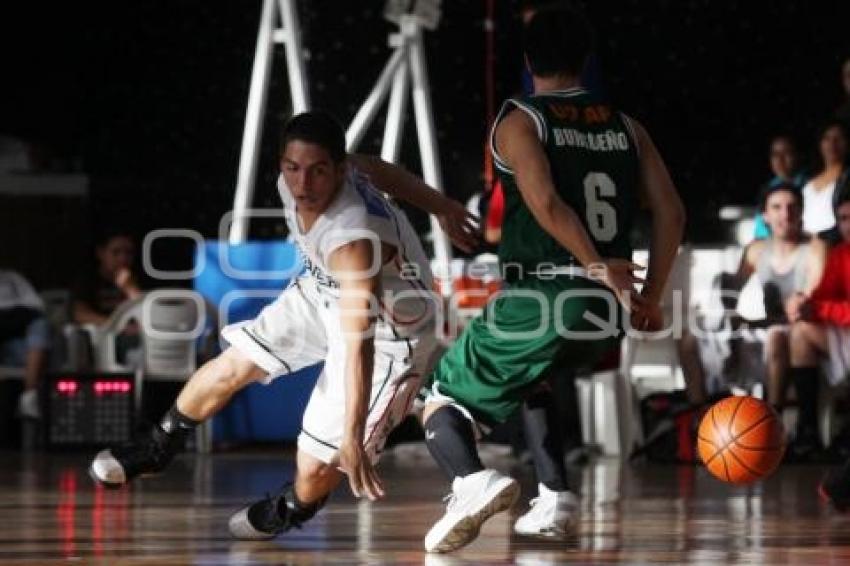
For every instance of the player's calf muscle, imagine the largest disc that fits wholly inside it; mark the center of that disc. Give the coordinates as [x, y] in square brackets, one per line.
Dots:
[214, 383]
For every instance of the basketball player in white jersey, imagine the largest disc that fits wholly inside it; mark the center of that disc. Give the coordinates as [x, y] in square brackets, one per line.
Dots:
[362, 306]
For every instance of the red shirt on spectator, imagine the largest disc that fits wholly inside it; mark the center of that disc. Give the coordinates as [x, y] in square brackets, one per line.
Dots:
[831, 300]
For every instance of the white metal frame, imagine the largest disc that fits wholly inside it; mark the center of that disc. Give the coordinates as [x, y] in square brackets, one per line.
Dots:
[406, 68]
[405, 72]
[268, 35]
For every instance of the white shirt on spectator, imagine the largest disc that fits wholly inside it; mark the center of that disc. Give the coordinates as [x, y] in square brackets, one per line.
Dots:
[817, 208]
[15, 291]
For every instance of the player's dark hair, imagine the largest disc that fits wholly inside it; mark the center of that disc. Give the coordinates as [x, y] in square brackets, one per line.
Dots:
[317, 127]
[773, 189]
[557, 41]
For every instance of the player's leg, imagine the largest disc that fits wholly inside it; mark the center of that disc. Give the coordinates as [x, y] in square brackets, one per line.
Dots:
[282, 339]
[477, 492]
[295, 504]
[553, 511]
[487, 373]
[204, 394]
[807, 344]
[396, 379]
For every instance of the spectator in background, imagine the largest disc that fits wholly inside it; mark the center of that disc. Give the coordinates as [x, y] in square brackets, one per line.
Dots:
[24, 336]
[818, 213]
[784, 164]
[789, 265]
[822, 337]
[96, 294]
[843, 112]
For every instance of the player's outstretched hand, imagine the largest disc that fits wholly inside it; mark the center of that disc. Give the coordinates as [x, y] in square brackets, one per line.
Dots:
[619, 276]
[461, 226]
[362, 476]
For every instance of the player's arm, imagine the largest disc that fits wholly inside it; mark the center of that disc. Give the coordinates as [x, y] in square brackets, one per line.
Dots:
[668, 215]
[352, 265]
[520, 148]
[459, 224]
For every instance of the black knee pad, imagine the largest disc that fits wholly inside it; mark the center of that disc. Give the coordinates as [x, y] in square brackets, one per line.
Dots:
[450, 439]
[446, 416]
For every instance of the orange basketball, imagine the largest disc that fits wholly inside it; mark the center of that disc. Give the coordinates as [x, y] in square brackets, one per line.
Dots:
[741, 440]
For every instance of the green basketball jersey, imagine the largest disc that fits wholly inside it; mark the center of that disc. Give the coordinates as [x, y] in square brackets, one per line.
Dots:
[595, 168]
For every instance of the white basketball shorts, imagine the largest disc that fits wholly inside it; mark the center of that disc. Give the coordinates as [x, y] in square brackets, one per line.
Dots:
[301, 328]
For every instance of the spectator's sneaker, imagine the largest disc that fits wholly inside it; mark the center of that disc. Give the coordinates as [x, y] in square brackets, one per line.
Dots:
[270, 517]
[474, 499]
[28, 405]
[552, 514]
[114, 467]
[835, 488]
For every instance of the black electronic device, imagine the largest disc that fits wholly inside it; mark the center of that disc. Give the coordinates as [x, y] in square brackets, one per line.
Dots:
[88, 409]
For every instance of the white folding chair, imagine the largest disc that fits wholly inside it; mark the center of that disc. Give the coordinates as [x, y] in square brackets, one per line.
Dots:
[170, 323]
[654, 357]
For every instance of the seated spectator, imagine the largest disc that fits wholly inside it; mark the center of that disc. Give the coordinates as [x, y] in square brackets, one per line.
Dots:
[787, 263]
[24, 336]
[818, 214]
[96, 294]
[784, 165]
[820, 339]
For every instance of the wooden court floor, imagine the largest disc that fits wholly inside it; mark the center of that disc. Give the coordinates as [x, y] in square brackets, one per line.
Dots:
[53, 514]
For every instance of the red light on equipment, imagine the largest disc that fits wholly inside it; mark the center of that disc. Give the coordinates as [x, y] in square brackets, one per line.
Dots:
[101, 387]
[67, 386]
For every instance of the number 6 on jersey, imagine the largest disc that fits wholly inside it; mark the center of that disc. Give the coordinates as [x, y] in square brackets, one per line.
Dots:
[601, 216]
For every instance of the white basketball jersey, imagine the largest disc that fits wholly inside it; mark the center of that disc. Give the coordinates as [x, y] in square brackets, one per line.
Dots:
[359, 211]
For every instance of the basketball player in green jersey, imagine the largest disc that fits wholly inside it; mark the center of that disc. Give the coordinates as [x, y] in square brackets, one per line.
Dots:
[574, 171]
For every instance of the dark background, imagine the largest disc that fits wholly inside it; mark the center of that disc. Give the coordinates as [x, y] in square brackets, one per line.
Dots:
[148, 98]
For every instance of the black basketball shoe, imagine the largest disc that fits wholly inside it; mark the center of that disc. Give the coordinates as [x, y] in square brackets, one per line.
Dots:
[271, 516]
[114, 467]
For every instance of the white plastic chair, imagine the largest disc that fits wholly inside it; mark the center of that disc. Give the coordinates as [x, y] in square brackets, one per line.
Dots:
[657, 357]
[170, 323]
[607, 405]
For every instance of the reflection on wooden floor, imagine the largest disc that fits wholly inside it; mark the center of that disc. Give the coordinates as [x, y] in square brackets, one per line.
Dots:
[53, 514]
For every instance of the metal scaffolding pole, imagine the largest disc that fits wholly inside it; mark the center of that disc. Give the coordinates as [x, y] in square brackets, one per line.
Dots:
[267, 36]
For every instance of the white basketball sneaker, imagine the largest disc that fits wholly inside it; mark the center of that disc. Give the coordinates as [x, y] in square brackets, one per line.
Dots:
[552, 514]
[473, 500]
